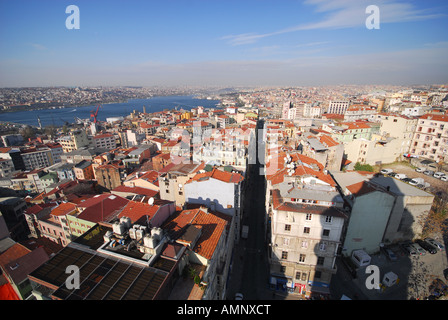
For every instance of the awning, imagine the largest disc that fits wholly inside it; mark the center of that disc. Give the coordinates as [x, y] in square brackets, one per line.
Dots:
[322, 290]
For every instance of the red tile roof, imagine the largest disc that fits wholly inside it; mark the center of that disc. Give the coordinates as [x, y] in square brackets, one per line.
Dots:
[229, 177]
[211, 224]
[360, 188]
[139, 211]
[328, 141]
[63, 209]
[136, 190]
[102, 207]
[435, 117]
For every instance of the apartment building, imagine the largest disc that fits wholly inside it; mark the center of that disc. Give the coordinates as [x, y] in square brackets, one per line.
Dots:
[224, 147]
[338, 106]
[105, 141]
[14, 155]
[431, 137]
[307, 222]
[84, 170]
[110, 174]
[55, 226]
[37, 157]
[74, 140]
[218, 190]
[324, 149]
[171, 183]
[6, 167]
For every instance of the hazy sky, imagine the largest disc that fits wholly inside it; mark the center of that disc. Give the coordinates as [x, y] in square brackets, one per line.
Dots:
[222, 42]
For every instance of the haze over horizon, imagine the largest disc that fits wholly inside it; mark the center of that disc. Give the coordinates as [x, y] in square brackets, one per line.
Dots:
[231, 43]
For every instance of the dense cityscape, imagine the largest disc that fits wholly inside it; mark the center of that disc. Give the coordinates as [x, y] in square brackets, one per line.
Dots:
[215, 159]
[316, 183]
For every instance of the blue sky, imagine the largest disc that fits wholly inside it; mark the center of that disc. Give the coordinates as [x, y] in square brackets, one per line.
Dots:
[218, 42]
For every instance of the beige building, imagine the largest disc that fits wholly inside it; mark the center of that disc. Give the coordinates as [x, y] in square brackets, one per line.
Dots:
[378, 150]
[74, 140]
[431, 137]
[172, 183]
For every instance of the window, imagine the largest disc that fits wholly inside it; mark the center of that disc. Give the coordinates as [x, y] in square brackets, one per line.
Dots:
[322, 246]
[326, 232]
[284, 255]
[317, 275]
[328, 219]
[282, 269]
[320, 261]
[304, 276]
[308, 216]
[304, 244]
[287, 227]
[306, 230]
[298, 275]
[302, 258]
[286, 241]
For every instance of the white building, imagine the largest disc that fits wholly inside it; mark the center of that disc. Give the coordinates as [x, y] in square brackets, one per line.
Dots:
[218, 190]
[338, 106]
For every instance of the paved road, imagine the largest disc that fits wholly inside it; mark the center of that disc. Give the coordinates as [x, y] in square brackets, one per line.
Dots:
[250, 273]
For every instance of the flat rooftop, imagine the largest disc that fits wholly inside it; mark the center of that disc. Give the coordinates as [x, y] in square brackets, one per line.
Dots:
[102, 276]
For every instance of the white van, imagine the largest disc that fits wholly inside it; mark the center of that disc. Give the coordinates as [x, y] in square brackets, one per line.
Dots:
[439, 175]
[401, 176]
[386, 171]
[361, 258]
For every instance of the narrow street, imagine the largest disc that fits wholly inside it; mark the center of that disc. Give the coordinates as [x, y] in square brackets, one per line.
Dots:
[250, 273]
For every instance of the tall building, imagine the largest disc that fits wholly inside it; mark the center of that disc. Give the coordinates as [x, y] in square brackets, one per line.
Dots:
[307, 222]
[431, 137]
[37, 157]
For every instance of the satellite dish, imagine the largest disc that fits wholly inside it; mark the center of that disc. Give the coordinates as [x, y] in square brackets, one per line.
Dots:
[151, 201]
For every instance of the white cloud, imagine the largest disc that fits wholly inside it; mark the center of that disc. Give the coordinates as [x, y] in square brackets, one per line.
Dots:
[38, 46]
[344, 14]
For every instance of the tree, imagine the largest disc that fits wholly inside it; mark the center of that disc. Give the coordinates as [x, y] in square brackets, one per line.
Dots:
[28, 132]
[435, 221]
[363, 167]
[50, 131]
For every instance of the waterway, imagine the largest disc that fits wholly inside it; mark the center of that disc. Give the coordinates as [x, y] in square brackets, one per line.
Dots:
[59, 117]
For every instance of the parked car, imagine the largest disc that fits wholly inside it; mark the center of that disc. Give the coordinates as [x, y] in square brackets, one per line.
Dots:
[420, 169]
[435, 243]
[428, 172]
[406, 180]
[439, 175]
[390, 254]
[444, 178]
[416, 181]
[409, 249]
[392, 174]
[386, 171]
[419, 249]
[401, 176]
[427, 246]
